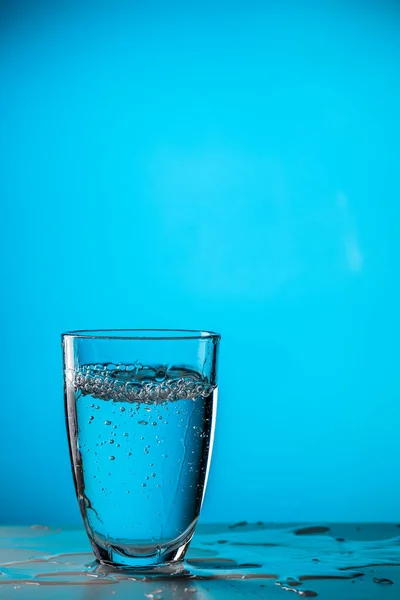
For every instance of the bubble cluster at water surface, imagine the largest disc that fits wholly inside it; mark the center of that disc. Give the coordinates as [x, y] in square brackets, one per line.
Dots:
[138, 383]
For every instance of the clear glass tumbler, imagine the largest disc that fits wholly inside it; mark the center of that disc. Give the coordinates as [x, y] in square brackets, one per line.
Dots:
[140, 409]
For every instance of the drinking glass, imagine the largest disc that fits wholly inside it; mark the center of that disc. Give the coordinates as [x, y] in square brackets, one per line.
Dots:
[140, 410]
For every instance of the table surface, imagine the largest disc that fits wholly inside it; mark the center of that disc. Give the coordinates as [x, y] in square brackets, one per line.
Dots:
[240, 560]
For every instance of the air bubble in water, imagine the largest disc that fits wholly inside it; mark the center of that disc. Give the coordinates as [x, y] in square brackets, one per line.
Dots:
[153, 474]
[125, 434]
[143, 485]
[107, 422]
[111, 441]
[122, 408]
[154, 423]
[112, 457]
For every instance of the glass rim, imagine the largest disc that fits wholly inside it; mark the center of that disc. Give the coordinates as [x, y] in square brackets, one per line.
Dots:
[142, 334]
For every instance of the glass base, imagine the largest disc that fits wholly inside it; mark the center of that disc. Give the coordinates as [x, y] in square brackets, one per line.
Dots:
[143, 558]
[113, 557]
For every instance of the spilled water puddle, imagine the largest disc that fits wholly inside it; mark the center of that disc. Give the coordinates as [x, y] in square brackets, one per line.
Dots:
[346, 561]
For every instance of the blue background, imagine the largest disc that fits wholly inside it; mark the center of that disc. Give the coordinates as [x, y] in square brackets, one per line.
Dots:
[222, 165]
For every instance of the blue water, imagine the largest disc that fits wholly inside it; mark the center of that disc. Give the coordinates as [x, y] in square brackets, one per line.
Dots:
[140, 441]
